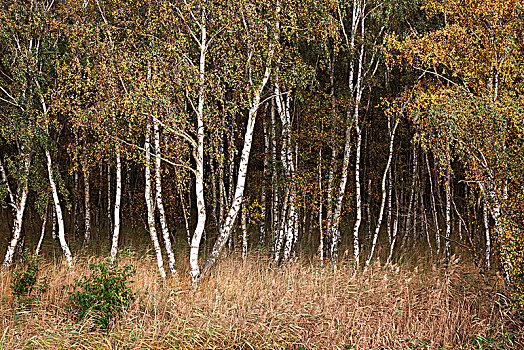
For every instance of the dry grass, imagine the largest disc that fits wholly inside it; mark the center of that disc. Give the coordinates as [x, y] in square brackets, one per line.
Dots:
[256, 305]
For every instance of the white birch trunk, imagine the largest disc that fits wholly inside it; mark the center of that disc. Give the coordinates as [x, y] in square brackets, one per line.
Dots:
[274, 184]
[488, 234]
[496, 213]
[263, 202]
[53, 224]
[358, 196]
[320, 209]
[109, 221]
[58, 209]
[76, 213]
[226, 228]
[150, 204]
[289, 211]
[118, 197]
[19, 212]
[42, 232]
[448, 212]
[159, 202]
[383, 202]
[87, 204]
[199, 160]
[394, 240]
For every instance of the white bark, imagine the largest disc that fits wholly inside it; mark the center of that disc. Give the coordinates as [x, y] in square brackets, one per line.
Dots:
[274, 183]
[448, 212]
[109, 221]
[42, 232]
[159, 202]
[53, 224]
[384, 192]
[356, 87]
[394, 240]
[87, 204]
[118, 197]
[358, 196]
[489, 192]
[487, 233]
[263, 202]
[226, 228]
[199, 159]
[289, 212]
[58, 209]
[76, 211]
[150, 204]
[19, 211]
[320, 208]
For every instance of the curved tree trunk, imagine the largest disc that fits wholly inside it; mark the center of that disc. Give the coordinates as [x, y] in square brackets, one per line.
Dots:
[19, 211]
[87, 204]
[384, 192]
[58, 209]
[159, 202]
[150, 204]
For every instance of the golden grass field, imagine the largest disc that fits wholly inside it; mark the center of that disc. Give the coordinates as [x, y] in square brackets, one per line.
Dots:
[256, 305]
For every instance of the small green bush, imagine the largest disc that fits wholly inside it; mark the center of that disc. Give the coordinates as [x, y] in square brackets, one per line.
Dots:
[104, 294]
[25, 282]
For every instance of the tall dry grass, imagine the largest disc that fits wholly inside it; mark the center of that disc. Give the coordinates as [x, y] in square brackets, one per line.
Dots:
[256, 305]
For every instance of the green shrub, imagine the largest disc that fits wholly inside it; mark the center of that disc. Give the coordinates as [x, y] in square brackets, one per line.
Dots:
[24, 280]
[104, 294]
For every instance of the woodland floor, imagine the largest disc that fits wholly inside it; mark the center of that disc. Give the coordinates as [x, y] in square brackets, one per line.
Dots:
[256, 305]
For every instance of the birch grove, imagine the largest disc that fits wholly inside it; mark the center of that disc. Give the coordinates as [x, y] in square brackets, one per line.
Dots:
[285, 128]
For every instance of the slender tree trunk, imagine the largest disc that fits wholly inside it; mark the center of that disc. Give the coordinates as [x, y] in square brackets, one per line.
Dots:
[54, 224]
[76, 211]
[109, 221]
[356, 229]
[394, 240]
[263, 202]
[488, 235]
[428, 238]
[320, 208]
[87, 204]
[58, 209]
[159, 202]
[99, 206]
[226, 228]
[150, 203]
[448, 211]
[199, 159]
[384, 193]
[42, 232]
[118, 196]
[274, 180]
[289, 210]
[19, 211]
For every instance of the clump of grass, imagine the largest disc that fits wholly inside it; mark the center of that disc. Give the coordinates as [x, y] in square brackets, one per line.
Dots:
[26, 284]
[261, 306]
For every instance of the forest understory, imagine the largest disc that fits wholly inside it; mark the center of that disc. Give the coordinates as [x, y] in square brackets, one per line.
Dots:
[255, 304]
[262, 174]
